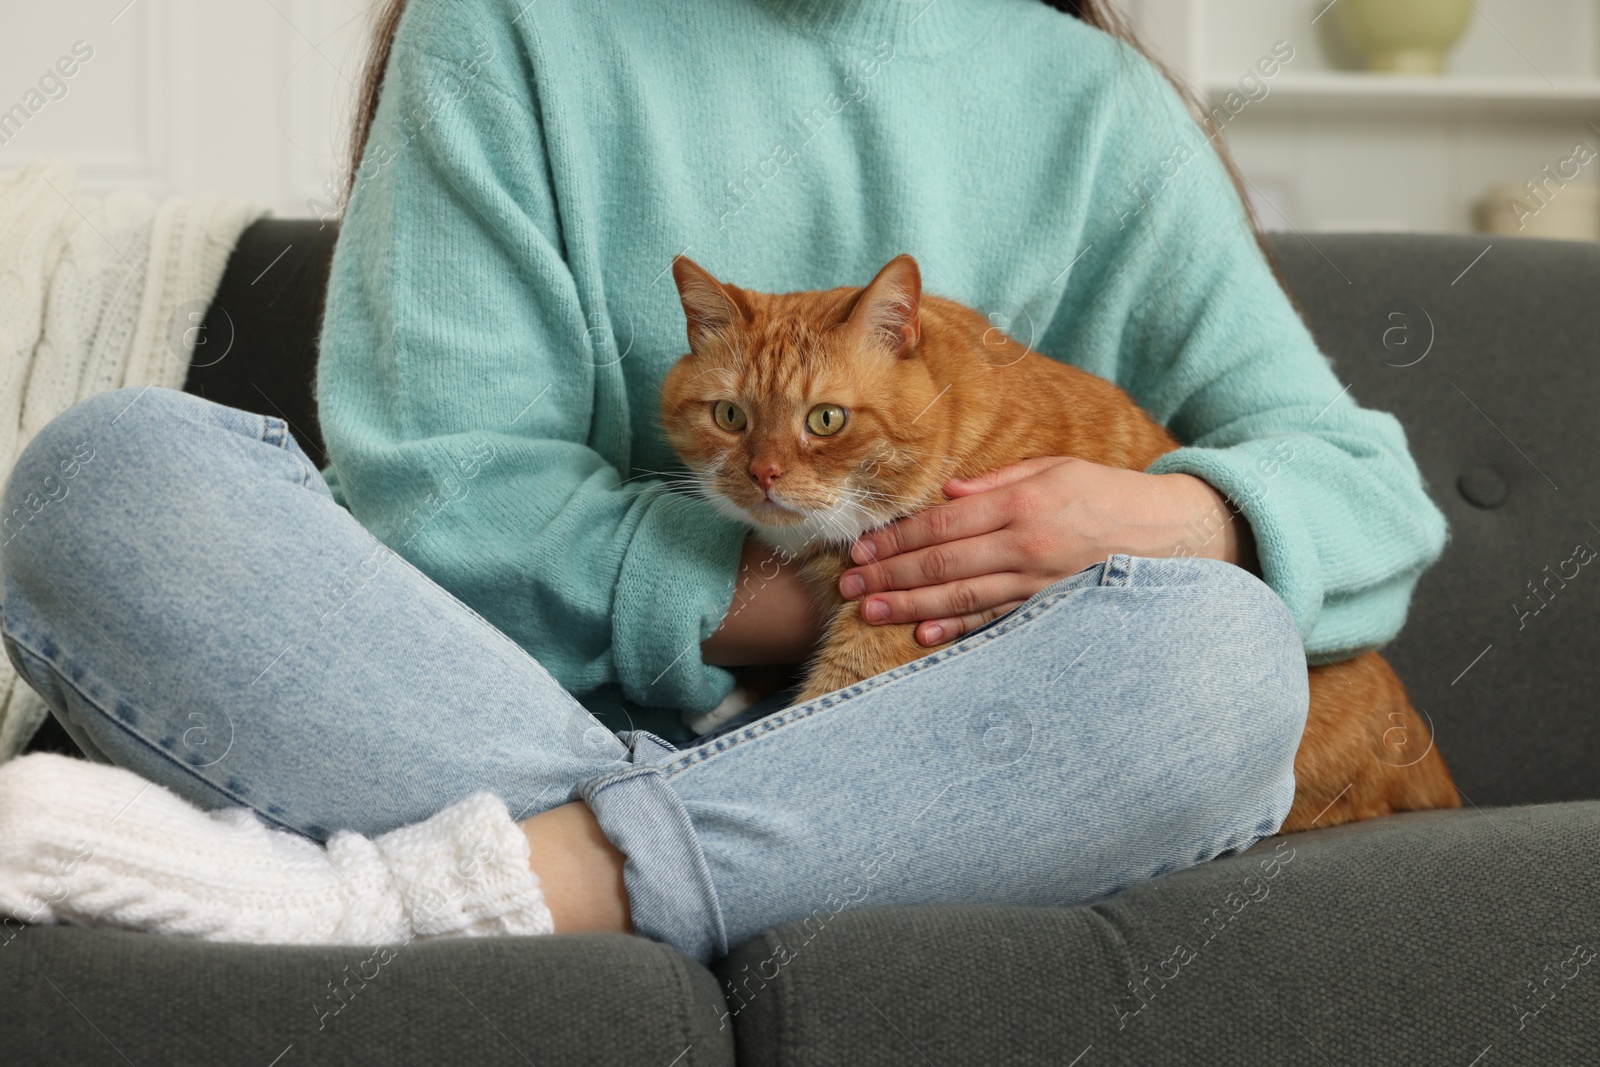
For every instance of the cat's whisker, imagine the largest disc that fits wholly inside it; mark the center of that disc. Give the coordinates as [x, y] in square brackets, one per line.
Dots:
[682, 488]
[907, 500]
[898, 502]
[832, 522]
[708, 495]
[894, 449]
[669, 476]
[860, 510]
[875, 517]
[880, 494]
[686, 489]
[692, 487]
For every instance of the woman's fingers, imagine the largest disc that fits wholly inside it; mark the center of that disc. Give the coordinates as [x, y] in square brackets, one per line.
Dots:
[966, 517]
[961, 599]
[1001, 477]
[938, 631]
[935, 565]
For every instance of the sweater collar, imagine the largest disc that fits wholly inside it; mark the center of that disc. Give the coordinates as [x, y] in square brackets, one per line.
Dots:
[914, 27]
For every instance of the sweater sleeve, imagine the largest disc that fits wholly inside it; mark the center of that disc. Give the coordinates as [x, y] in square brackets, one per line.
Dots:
[457, 387]
[1210, 344]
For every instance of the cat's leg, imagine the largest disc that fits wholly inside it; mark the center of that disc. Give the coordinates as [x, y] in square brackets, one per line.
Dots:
[852, 649]
[1366, 752]
[855, 649]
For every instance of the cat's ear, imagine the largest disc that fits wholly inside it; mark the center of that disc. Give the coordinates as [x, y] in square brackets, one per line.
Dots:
[888, 313]
[709, 305]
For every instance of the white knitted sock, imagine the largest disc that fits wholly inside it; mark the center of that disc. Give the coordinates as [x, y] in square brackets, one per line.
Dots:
[89, 843]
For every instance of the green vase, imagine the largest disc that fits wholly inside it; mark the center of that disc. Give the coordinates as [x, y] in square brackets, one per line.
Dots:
[1405, 36]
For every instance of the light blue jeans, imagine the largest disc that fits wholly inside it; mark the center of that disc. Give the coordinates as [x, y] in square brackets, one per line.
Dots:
[183, 591]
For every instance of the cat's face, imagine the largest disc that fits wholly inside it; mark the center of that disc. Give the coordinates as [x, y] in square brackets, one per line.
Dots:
[795, 412]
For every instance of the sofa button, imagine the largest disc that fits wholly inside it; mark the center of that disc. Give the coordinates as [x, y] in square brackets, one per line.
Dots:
[1482, 487]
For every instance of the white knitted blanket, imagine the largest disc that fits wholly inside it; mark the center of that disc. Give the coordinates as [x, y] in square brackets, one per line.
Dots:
[95, 293]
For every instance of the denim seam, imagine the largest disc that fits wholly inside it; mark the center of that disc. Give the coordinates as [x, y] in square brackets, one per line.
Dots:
[278, 435]
[778, 720]
[1235, 842]
[66, 680]
[602, 782]
[275, 432]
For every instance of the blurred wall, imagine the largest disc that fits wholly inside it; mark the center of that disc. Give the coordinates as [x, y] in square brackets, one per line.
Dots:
[249, 98]
[253, 98]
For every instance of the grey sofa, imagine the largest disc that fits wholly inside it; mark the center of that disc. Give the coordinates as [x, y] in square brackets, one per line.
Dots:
[1464, 938]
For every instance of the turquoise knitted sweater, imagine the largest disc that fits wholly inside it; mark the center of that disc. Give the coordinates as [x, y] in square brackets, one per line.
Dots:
[501, 312]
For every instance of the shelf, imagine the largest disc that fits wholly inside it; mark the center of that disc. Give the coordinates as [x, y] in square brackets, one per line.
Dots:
[1360, 94]
[1344, 149]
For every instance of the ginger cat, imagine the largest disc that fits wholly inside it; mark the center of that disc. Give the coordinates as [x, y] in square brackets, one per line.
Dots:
[772, 382]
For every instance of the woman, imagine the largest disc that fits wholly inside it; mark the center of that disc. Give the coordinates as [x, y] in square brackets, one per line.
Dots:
[1131, 687]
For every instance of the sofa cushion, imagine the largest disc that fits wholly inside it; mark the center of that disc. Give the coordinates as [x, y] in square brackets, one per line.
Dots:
[1422, 938]
[261, 329]
[1486, 363]
[78, 996]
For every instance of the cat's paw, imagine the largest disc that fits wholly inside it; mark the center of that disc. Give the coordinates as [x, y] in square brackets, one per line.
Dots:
[738, 699]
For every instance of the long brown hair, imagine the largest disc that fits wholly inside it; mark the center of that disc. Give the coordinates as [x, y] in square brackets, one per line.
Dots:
[1097, 13]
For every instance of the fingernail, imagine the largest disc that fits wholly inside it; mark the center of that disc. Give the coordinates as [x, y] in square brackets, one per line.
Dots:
[875, 611]
[852, 586]
[862, 551]
[935, 634]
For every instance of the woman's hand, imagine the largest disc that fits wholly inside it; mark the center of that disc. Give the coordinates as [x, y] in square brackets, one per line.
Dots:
[1008, 533]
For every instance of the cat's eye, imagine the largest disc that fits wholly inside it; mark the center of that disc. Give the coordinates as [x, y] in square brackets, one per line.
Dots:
[728, 415]
[825, 419]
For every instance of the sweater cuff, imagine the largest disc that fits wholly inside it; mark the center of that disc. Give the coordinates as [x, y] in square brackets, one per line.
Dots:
[1347, 628]
[1246, 474]
[676, 585]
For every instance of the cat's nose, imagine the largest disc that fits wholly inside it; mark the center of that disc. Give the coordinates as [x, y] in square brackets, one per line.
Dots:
[764, 474]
